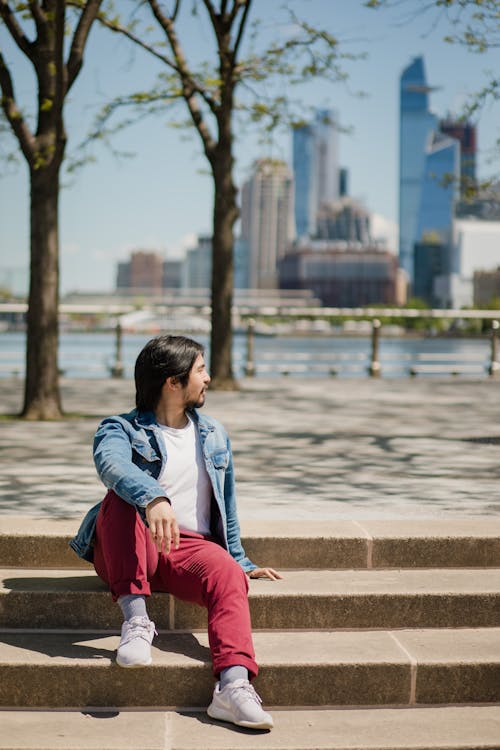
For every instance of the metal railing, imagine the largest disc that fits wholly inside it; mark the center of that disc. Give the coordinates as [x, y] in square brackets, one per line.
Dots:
[426, 363]
[371, 360]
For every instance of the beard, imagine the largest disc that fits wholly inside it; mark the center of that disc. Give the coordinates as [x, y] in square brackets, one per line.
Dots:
[196, 402]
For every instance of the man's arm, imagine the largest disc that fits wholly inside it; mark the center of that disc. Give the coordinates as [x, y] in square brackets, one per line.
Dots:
[113, 460]
[117, 471]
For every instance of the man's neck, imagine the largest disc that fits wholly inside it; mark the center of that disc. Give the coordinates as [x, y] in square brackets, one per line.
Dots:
[171, 415]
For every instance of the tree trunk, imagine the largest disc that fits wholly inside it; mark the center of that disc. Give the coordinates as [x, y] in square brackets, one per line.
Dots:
[224, 218]
[41, 393]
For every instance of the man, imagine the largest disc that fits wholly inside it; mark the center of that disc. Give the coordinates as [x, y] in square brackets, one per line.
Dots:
[169, 522]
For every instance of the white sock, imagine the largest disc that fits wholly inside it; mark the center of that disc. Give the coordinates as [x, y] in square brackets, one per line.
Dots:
[230, 674]
[132, 605]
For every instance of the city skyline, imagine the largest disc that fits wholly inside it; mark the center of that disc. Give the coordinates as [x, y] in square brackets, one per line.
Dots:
[160, 201]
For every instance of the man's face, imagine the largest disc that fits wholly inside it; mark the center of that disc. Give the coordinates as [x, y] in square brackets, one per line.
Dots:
[195, 388]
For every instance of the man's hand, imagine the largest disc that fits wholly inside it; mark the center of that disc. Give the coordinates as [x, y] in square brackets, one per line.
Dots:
[162, 525]
[265, 573]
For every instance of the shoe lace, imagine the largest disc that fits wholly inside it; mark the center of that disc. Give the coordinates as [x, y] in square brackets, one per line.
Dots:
[140, 628]
[247, 692]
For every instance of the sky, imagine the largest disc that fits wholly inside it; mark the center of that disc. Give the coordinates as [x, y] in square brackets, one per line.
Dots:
[161, 198]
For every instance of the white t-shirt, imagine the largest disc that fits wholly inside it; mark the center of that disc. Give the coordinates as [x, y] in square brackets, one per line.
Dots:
[185, 478]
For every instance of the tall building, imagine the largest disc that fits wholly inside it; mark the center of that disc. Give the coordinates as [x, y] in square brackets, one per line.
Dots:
[305, 185]
[144, 271]
[434, 254]
[327, 156]
[416, 126]
[316, 171]
[478, 246]
[343, 182]
[446, 233]
[241, 270]
[172, 274]
[345, 219]
[198, 265]
[266, 220]
[439, 188]
[465, 133]
[343, 274]
[432, 263]
[148, 271]
[486, 285]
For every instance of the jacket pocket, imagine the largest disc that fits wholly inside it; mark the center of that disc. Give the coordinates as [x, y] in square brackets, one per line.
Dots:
[220, 459]
[145, 451]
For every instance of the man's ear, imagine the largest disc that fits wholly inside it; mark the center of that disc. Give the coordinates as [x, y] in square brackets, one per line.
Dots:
[172, 383]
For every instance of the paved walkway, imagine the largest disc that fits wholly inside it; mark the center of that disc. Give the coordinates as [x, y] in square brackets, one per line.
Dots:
[304, 448]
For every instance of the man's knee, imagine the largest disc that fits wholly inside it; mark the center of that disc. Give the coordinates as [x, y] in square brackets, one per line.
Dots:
[228, 575]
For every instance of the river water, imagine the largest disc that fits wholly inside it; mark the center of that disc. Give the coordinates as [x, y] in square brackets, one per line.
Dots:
[91, 355]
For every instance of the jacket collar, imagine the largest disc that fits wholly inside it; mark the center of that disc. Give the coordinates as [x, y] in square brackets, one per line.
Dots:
[144, 418]
[203, 423]
[147, 419]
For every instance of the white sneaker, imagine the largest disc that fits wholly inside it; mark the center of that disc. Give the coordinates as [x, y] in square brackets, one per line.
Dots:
[135, 644]
[239, 703]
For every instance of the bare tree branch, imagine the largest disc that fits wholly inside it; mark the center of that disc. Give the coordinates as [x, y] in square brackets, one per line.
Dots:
[120, 29]
[164, 21]
[39, 16]
[75, 58]
[12, 113]
[189, 86]
[216, 22]
[213, 15]
[176, 10]
[17, 33]
[242, 26]
[61, 71]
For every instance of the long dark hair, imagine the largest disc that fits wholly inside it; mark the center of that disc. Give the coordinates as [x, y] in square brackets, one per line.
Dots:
[163, 357]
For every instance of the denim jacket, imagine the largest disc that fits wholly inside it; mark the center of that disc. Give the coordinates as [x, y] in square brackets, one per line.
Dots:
[129, 454]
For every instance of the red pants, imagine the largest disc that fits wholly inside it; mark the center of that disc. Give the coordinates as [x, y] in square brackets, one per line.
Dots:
[199, 571]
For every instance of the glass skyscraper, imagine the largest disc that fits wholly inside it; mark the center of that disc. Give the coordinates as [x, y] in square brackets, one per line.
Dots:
[434, 255]
[315, 168]
[439, 189]
[417, 124]
[305, 189]
[327, 156]
[466, 134]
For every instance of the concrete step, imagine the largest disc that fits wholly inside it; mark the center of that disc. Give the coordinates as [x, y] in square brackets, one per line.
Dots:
[365, 668]
[323, 599]
[444, 728]
[29, 542]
